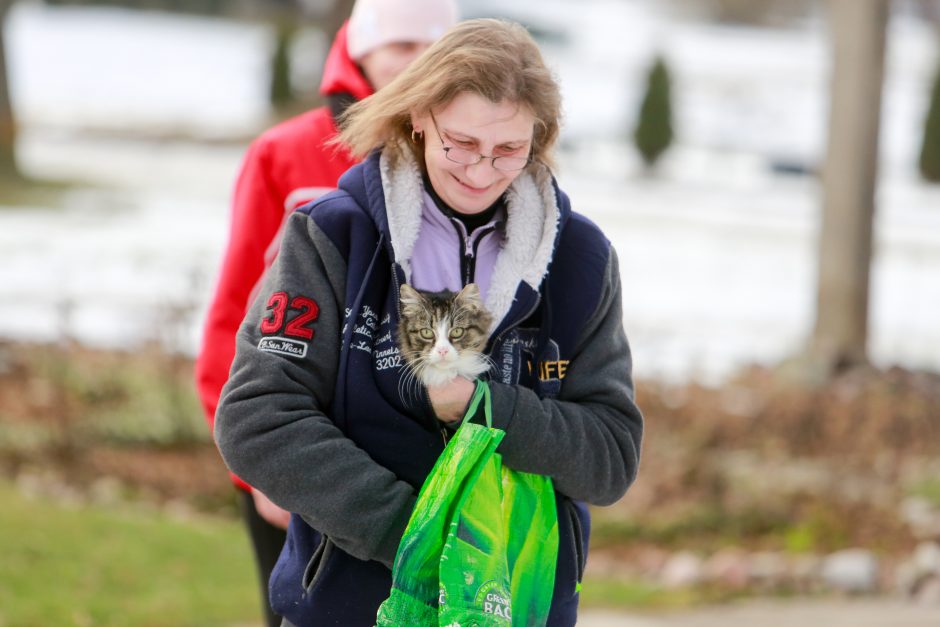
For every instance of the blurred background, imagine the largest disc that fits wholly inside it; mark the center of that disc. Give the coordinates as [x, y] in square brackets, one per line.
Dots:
[767, 170]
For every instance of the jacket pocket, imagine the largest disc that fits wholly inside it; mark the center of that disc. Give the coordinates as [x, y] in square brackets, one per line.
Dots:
[577, 538]
[317, 563]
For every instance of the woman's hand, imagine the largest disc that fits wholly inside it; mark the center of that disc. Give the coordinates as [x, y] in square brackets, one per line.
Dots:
[450, 399]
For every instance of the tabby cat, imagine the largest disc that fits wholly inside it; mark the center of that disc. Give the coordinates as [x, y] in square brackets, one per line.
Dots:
[442, 335]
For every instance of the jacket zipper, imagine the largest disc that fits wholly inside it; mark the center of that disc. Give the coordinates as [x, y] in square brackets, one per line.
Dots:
[469, 247]
[466, 261]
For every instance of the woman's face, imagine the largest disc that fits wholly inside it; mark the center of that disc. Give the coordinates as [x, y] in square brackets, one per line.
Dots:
[474, 124]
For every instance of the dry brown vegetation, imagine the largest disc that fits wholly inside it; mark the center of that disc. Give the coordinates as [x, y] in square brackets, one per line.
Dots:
[768, 464]
[760, 463]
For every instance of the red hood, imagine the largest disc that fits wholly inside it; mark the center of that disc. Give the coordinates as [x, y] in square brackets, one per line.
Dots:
[340, 73]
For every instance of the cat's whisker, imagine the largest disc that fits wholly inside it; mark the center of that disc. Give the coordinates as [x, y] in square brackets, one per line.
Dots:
[402, 381]
[490, 362]
[409, 377]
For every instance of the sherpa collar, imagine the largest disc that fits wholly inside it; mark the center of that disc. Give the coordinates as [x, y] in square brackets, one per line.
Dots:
[532, 219]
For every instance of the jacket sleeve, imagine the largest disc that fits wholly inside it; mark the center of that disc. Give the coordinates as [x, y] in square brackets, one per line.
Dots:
[257, 214]
[272, 427]
[588, 439]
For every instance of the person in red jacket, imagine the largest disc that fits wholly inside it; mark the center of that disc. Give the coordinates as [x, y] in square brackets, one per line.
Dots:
[286, 167]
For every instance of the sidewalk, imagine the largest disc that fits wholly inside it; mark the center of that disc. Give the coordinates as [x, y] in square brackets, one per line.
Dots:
[794, 613]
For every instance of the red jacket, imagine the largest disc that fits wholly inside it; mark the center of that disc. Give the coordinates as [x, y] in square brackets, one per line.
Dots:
[285, 167]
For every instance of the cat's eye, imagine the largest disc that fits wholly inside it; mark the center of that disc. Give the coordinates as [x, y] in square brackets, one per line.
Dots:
[426, 333]
[456, 332]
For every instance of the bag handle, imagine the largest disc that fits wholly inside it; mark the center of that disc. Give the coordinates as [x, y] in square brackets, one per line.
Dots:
[481, 394]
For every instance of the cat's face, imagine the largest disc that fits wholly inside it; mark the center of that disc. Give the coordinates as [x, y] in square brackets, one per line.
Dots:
[443, 335]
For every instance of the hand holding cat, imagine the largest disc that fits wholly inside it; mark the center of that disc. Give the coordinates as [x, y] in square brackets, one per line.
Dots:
[450, 400]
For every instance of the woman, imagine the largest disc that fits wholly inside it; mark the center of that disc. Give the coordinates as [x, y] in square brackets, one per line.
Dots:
[455, 189]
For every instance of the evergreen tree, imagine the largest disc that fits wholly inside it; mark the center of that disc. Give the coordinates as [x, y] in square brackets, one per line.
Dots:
[930, 150]
[8, 168]
[653, 133]
[281, 93]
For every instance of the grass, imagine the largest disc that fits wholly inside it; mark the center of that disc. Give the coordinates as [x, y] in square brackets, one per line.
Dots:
[89, 565]
[92, 565]
[928, 489]
[642, 596]
[645, 595]
[705, 527]
[635, 594]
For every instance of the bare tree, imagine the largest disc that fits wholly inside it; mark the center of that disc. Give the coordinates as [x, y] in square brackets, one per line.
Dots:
[7, 122]
[336, 16]
[849, 178]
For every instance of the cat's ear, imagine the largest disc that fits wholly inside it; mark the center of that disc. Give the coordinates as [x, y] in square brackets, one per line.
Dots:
[470, 294]
[409, 296]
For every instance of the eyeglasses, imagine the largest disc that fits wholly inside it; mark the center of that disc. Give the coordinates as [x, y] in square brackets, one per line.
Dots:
[468, 157]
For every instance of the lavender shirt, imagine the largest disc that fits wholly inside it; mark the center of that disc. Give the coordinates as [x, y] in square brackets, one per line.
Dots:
[435, 260]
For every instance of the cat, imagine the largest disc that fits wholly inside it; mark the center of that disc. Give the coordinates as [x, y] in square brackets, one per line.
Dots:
[442, 335]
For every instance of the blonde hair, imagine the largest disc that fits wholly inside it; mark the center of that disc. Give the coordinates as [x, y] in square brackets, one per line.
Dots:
[495, 59]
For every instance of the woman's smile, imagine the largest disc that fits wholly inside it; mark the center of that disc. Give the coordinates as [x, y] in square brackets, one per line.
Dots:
[471, 188]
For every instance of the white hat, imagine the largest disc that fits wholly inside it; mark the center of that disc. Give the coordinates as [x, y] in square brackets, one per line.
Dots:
[374, 23]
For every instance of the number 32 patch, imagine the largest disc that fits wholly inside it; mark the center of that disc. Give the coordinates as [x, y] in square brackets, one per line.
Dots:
[286, 327]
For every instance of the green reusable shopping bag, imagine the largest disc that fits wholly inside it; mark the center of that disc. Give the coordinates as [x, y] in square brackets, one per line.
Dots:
[481, 546]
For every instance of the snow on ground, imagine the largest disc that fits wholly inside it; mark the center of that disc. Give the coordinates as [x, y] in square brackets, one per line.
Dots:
[717, 275]
[124, 69]
[717, 252]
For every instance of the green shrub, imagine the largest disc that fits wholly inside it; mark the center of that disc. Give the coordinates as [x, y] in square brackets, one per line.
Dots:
[930, 150]
[281, 93]
[653, 133]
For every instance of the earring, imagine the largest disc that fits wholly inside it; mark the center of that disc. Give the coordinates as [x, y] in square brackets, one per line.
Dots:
[415, 136]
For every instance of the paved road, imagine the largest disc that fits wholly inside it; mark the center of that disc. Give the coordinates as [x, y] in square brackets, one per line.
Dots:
[866, 613]
[801, 613]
